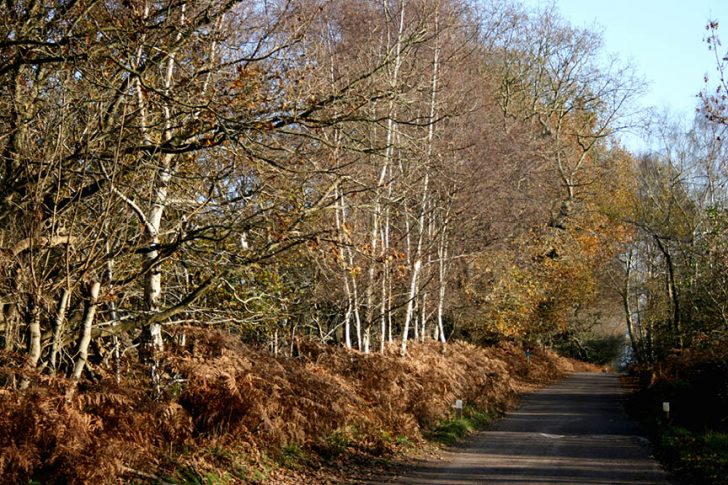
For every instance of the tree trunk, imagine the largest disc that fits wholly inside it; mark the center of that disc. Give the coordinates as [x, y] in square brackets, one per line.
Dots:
[88, 320]
[58, 328]
[423, 316]
[34, 341]
[410, 306]
[34, 336]
[344, 242]
[442, 258]
[672, 292]
[628, 310]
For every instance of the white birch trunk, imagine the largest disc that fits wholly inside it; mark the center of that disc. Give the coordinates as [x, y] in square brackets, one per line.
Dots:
[410, 307]
[390, 338]
[415, 314]
[388, 156]
[343, 241]
[366, 339]
[425, 190]
[142, 105]
[58, 327]
[352, 275]
[384, 308]
[153, 282]
[423, 316]
[412, 301]
[442, 268]
[34, 344]
[88, 321]
[345, 255]
[114, 316]
[357, 314]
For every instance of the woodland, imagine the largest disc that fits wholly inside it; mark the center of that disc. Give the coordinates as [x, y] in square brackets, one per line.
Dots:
[192, 192]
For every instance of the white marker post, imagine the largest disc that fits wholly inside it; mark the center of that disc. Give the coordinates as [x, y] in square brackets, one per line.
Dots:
[459, 407]
[666, 409]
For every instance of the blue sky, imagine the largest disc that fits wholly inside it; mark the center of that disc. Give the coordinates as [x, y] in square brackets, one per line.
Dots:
[662, 38]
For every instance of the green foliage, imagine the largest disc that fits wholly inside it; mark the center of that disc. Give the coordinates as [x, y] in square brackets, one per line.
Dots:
[452, 430]
[457, 427]
[694, 441]
[191, 476]
[253, 472]
[292, 455]
[403, 441]
[339, 441]
[697, 456]
[599, 350]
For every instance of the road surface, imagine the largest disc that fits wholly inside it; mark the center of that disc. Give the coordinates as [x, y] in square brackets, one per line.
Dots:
[574, 432]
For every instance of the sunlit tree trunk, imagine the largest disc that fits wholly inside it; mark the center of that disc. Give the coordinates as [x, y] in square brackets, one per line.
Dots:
[345, 263]
[86, 326]
[384, 173]
[163, 177]
[626, 290]
[417, 257]
[442, 276]
[59, 327]
[410, 306]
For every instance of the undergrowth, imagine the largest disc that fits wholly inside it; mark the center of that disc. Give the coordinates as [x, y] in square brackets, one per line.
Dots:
[231, 413]
[693, 440]
[697, 456]
[459, 425]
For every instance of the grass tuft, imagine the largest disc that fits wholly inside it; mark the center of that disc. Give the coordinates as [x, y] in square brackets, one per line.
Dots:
[698, 456]
[292, 456]
[454, 429]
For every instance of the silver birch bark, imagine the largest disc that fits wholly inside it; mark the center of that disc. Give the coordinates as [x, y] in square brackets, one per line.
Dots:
[442, 280]
[88, 320]
[114, 316]
[352, 275]
[423, 316]
[425, 189]
[34, 345]
[383, 174]
[626, 290]
[346, 269]
[410, 306]
[153, 280]
[415, 314]
[141, 104]
[58, 327]
[390, 338]
[415, 270]
[384, 304]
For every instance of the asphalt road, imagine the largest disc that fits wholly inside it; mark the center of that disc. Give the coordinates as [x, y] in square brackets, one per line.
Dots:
[574, 432]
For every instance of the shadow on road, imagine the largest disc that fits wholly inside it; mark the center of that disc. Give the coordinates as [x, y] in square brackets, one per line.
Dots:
[575, 432]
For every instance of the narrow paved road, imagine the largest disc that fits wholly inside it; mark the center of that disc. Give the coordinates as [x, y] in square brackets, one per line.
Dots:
[574, 432]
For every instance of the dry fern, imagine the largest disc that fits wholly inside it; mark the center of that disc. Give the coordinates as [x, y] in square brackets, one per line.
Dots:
[222, 393]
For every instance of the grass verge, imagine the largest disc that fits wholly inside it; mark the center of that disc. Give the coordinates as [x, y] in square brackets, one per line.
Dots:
[458, 426]
[692, 450]
[695, 456]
